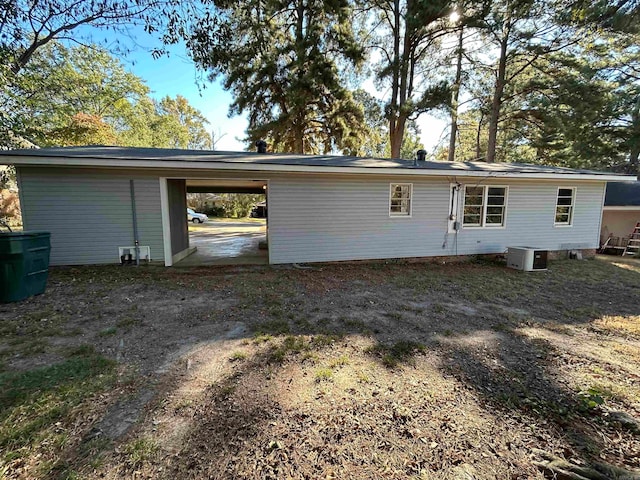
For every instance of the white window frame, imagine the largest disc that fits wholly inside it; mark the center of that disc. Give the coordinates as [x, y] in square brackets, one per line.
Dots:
[571, 210]
[483, 215]
[401, 215]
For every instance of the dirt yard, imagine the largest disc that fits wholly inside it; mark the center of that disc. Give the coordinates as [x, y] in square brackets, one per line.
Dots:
[362, 371]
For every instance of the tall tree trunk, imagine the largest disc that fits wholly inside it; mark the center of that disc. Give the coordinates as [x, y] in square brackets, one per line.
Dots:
[404, 92]
[298, 138]
[397, 135]
[394, 120]
[300, 60]
[496, 103]
[454, 101]
[634, 141]
[478, 135]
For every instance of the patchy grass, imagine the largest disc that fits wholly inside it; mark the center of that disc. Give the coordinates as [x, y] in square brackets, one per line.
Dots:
[85, 350]
[273, 327]
[326, 340]
[323, 375]
[262, 338]
[127, 323]
[381, 370]
[139, 451]
[45, 323]
[341, 361]
[38, 407]
[238, 356]
[290, 345]
[400, 352]
[107, 332]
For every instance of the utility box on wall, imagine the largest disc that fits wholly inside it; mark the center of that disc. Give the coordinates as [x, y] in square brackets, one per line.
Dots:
[527, 259]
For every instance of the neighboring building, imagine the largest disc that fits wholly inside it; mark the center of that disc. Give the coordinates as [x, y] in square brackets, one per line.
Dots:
[620, 214]
[321, 208]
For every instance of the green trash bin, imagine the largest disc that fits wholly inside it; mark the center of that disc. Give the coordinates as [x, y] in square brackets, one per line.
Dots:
[24, 264]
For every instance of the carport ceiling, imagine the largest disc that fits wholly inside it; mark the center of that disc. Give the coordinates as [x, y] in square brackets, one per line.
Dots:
[221, 185]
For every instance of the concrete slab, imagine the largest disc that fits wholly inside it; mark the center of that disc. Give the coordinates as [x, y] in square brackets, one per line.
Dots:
[227, 243]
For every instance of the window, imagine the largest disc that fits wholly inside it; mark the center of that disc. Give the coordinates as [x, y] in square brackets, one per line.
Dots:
[564, 206]
[484, 206]
[400, 200]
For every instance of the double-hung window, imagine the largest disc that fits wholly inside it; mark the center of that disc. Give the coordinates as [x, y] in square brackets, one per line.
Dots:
[400, 200]
[484, 206]
[564, 206]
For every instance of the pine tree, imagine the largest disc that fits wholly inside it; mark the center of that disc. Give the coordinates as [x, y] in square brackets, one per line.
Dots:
[281, 60]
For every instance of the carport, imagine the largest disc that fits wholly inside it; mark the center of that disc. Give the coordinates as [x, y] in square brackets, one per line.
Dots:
[212, 243]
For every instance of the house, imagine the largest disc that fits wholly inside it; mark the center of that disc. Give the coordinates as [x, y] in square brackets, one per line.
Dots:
[620, 214]
[321, 208]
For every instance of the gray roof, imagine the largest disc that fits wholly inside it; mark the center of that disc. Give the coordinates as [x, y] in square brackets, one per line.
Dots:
[622, 194]
[252, 158]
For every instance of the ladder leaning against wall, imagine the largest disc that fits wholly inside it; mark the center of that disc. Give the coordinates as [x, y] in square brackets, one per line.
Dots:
[633, 247]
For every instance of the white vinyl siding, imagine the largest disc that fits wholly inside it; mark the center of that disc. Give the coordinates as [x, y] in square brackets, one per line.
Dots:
[312, 218]
[308, 224]
[564, 206]
[89, 214]
[400, 200]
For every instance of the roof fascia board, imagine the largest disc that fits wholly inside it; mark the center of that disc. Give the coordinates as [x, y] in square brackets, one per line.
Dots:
[270, 167]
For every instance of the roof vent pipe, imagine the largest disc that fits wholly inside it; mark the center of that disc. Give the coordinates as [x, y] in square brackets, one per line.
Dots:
[421, 155]
[261, 145]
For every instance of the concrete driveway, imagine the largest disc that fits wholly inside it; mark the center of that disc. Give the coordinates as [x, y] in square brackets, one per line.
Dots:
[227, 242]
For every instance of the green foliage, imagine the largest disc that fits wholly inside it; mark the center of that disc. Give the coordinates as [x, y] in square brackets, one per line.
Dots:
[84, 96]
[238, 205]
[569, 92]
[27, 27]
[374, 140]
[407, 33]
[591, 398]
[281, 61]
[182, 125]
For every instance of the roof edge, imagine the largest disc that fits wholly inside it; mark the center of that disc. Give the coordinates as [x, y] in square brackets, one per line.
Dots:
[114, 163]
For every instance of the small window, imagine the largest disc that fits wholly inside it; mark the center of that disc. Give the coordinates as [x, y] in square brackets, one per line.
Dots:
[484, 206]
[400, 200]
[564, 206]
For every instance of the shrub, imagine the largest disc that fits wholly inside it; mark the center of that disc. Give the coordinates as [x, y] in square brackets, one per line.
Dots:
[10, 207]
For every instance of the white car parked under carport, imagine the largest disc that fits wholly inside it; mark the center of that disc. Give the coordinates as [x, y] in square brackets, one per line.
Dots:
[194, 217]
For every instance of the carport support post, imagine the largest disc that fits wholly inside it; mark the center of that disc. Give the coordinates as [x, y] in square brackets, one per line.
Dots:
[166, 222]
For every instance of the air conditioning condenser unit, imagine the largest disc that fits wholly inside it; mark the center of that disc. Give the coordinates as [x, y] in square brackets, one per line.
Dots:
[527, 259]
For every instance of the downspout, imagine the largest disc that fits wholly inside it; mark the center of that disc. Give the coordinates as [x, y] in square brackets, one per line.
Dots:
[135, 221]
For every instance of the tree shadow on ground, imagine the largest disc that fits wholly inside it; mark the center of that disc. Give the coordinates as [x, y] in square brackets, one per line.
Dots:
[468, 316]
[516, 378]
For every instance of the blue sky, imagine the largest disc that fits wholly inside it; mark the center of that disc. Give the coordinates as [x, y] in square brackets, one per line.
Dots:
[176, 74]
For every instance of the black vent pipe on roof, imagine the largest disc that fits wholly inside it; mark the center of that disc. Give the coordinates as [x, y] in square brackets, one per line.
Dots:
[261, 145]
[421, 155]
